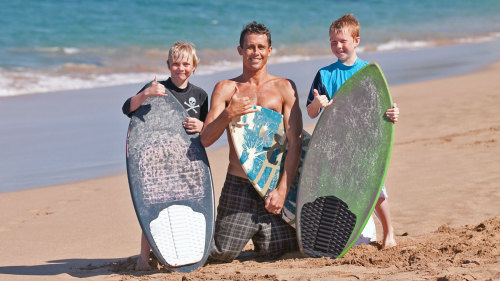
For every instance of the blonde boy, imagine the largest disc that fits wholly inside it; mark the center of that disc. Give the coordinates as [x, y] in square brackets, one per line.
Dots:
[182, 61]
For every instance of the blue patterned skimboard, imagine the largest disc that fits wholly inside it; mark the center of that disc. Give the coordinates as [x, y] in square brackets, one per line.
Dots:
[261, 148]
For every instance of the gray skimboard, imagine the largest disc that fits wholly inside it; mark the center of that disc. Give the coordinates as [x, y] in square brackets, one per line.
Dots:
[170, 183]
[345, 166]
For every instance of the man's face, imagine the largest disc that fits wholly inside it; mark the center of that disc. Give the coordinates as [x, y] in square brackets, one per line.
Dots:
[343, 45]
[255, 51]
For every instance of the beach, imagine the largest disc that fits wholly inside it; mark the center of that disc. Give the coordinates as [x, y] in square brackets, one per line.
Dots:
[67, 67]
[443, 184]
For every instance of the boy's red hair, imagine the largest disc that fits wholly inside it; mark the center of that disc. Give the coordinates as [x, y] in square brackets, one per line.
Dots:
[346, 22]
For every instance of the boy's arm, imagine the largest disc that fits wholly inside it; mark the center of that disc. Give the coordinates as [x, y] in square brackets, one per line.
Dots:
[292, 118]
[204, 109]
[318, 97]
[151, 90]
[219, 116]
[154, 90]
[319, 102]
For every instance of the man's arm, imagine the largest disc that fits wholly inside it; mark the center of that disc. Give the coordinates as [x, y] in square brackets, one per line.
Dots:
[292, 118]
[219, 116]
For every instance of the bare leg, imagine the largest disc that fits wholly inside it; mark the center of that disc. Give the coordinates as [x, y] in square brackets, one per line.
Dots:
[143, 260]
[384, 215]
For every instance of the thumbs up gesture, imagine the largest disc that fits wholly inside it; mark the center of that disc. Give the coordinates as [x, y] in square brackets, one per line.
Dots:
[321, 101]
[155, 89]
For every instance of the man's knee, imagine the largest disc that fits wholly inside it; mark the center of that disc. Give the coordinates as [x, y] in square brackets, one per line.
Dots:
[223, 254]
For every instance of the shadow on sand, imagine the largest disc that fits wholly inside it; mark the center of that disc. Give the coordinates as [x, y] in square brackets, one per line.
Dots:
[79, 268]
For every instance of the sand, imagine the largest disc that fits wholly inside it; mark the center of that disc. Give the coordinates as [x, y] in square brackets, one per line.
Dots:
[443, 185]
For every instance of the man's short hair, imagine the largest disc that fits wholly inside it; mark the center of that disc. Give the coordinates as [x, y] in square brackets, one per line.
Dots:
[346, 22]
[254, 28]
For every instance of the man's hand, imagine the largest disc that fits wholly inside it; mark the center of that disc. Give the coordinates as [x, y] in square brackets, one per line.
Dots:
[393, 113]
[276, 200]
[241, 104]
[192, 125]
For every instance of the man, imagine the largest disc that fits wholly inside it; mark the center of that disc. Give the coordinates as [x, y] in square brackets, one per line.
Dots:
[242, 214]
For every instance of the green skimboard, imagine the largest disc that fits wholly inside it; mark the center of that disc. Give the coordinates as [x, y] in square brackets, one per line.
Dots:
[345, 166]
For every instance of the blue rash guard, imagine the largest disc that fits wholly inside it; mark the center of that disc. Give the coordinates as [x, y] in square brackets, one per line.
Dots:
[329, 78]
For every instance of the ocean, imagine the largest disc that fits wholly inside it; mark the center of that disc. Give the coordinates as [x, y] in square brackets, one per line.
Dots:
[62, 123]
[69, 44]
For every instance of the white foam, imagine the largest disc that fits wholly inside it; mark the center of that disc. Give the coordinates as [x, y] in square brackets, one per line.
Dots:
[223, 65]
[403, 44]
[21, 83]
[70, 51]
[179, 233]
[289, 58]
[478, 39]
[64, 50]
[80, 76]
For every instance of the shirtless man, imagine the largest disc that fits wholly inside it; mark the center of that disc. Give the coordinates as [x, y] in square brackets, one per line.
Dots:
[242, 214]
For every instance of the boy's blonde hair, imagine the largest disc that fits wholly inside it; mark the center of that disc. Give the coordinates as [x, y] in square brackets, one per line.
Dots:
[346, 22]
[181, 49]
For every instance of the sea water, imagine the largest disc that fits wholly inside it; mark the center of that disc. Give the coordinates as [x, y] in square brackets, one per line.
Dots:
[68, 44]
[50, 45]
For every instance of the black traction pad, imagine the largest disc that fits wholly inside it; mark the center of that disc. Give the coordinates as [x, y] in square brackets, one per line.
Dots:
[327, 224]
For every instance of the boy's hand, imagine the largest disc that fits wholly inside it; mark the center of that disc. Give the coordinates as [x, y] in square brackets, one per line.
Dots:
[393, 113]
[192, 125]
[321, 101]
[155, 89]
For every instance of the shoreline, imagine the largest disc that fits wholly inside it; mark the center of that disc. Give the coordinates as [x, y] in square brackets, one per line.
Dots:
[88, 76]
[68, 136]
[442, 176]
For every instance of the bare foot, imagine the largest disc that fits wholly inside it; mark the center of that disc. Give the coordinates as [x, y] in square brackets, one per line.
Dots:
[389, 240]
[142, 264]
